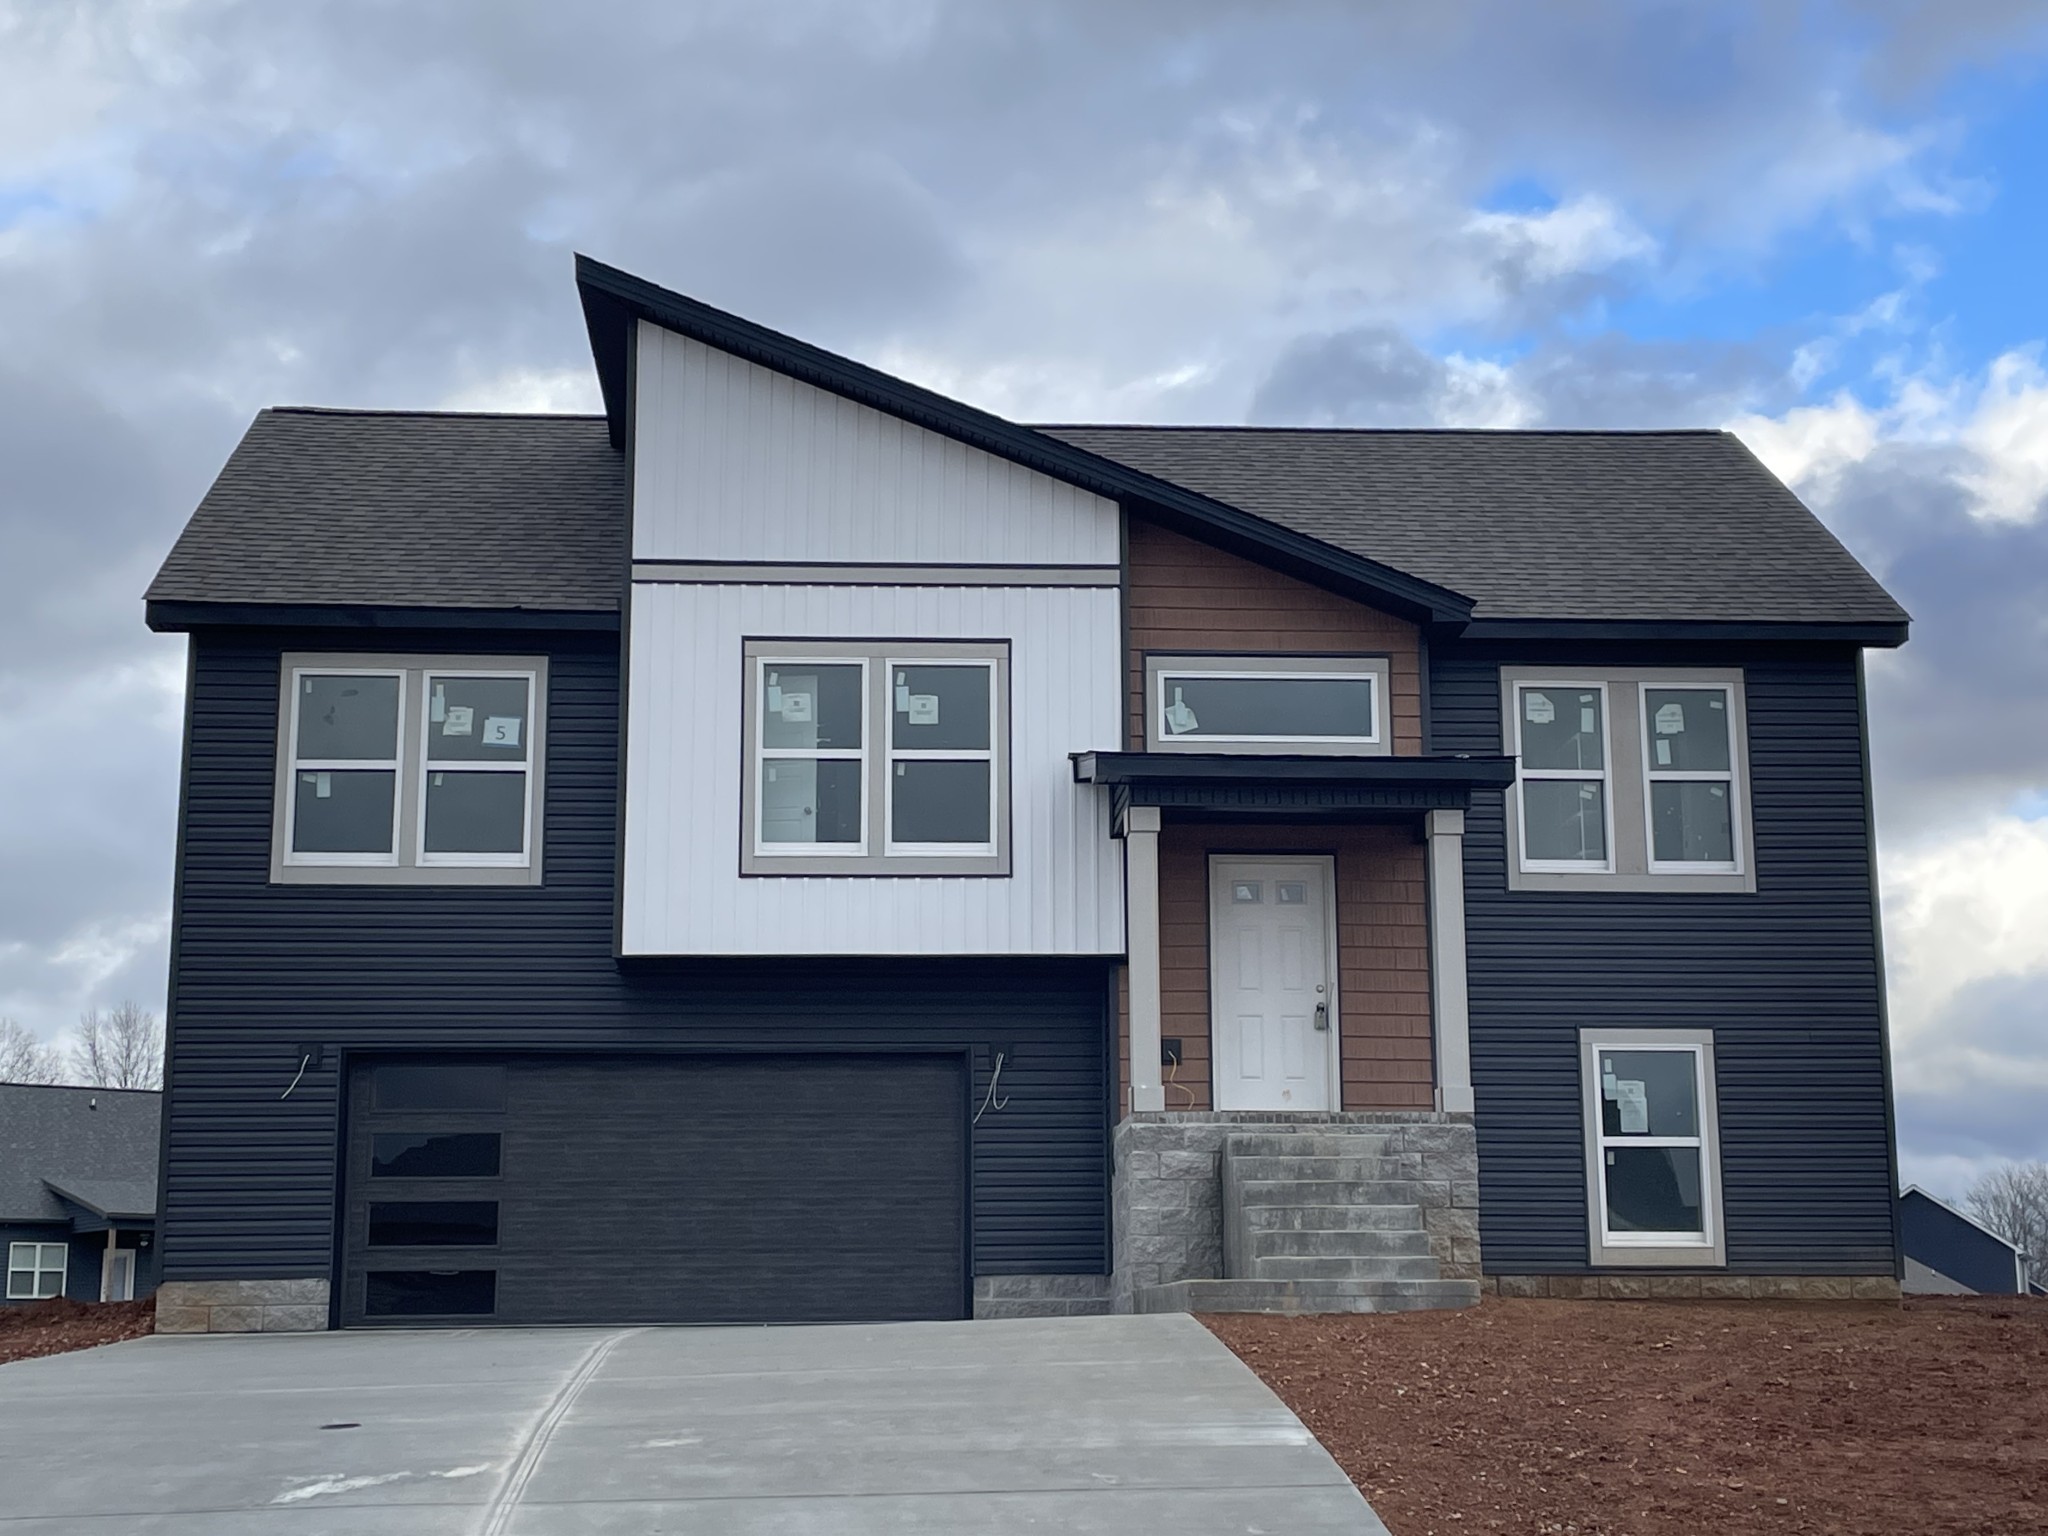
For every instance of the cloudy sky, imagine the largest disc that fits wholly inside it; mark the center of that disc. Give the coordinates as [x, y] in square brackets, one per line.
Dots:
[1821, 224]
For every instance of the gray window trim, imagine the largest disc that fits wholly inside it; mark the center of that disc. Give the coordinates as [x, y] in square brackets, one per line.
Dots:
[1628, 828]
[406, 868]
[875, 858]
[1712, 1253]
[1373, 667]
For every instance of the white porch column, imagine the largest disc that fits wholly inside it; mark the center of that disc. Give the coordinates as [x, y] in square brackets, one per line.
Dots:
[1447, 961]
[1141, 943]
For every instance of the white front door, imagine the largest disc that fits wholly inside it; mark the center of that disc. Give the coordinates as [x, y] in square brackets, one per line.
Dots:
[118, 1283]
[1272, 992]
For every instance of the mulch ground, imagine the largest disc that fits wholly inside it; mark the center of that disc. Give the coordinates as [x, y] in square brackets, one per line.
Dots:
[1561, 1418]
[57, 1325]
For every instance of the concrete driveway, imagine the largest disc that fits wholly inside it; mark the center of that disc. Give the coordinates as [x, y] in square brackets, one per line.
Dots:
[1123, 1424]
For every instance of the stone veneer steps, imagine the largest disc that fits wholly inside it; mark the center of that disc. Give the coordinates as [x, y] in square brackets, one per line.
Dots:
[1319, 1222]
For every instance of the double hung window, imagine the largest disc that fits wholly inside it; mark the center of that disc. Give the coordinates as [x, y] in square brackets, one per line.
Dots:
[1628, 780]
[35, 1270]
[875, 758]
[406, 770]
[1653, 1193]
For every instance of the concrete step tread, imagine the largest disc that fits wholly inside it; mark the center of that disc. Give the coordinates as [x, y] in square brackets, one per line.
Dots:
[1313, 1144]
[1327, 1192]
[1367, 1242]
[1306, 1296]
[1318, 1266]
[1331, 1218]
[1394, 1166]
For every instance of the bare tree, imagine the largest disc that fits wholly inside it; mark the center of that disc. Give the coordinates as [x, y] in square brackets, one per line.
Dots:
[25, 1059]
[2012, 1200]
[122, 1048]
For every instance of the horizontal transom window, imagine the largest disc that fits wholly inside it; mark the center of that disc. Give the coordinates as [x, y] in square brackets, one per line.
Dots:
[406, 769]
[876, 758]
[1267, 704]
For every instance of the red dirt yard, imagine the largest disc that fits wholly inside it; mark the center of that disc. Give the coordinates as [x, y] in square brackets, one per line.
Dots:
[1561, 1418]
[52, 1327]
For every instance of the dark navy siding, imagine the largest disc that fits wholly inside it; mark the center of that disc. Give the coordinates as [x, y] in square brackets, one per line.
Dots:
[1953, 1245]
[1788, 979]
[262, 969]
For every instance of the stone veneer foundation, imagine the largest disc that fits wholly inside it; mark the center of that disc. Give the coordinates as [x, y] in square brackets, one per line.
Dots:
[1041, 1296]
[1167, 1196]
[241, 1306]
[1694, 1287]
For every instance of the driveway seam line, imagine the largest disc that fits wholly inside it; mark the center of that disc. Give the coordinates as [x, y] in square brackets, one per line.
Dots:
[498, 1513]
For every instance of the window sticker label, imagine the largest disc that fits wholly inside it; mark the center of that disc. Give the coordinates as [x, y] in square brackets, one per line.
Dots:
[796, 708]
[323, 786]
[1179, 718]
[501, 730]
[902, 695]
[460, 719]
[440, 707]
[1586, 721]
[1633, 1099]
[1671, 720]
[1663, 754]
[923, 707]
[1537, 708]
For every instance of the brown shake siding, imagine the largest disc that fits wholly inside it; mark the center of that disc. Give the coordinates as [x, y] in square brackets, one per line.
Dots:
[1186, 596]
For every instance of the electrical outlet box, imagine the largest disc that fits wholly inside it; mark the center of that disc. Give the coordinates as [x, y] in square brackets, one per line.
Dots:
[1169, 1053]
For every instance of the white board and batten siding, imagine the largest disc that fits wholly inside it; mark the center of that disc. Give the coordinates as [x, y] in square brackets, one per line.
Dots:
[733, 461]
[736, 463]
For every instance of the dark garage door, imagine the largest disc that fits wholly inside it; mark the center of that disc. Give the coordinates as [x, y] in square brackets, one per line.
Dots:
[710, 1189]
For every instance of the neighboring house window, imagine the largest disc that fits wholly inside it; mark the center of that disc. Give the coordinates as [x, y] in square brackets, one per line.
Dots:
[1652, 1147]
[876, 758]
[409, 770]
[35, 1270]
[1325, 705]
[1628, 780]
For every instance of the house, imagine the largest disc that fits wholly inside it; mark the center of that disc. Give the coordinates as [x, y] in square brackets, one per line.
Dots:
[1949, 1254]
[798, 847]
[78, 1192]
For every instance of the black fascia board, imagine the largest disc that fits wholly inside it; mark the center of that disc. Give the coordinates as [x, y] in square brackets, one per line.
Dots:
[1465, 772]
[1885, 636]
[167, 616]
[613, 299]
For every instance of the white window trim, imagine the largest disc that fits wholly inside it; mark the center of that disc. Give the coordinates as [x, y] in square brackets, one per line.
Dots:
[35, 1268]
[876, 856]
[1628, 792]
[407, 866]
[519, 860]
[764, 754]
[1706, 1249]
[1604, 774]
[893, 754]
[395, 766]
[1372, 670]
[1652, 774]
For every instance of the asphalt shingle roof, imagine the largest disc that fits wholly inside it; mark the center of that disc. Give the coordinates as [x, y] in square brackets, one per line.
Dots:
[451, 510]
[1533, 525]
[82, 1138]
[408, 509]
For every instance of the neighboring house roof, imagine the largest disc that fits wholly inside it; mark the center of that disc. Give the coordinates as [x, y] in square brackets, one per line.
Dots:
[99, 1142]
[408, 509]
[1535, 525]
[1958, 1246]
[452, 515]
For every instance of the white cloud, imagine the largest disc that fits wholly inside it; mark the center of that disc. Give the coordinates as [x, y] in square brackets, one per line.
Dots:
[529, 390]
[2008, 430]
[1589, 233]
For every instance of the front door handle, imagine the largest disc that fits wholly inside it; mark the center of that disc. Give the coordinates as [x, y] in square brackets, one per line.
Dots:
[1322, 1015]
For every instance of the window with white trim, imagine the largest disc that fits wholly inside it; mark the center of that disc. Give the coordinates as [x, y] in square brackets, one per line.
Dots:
[409, 770]
[35, 1271]
[880, 758]
[1652, 1154]
[1323, 705]
[1627, 779]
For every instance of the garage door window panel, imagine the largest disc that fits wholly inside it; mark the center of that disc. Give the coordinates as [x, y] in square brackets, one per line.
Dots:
[433, 1224]
[434, 1155]
[423, 1293]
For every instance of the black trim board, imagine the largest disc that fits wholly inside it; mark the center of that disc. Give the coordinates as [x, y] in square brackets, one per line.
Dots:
[1465, 771]
[613, 300]
[182, 617]
[1664, 631]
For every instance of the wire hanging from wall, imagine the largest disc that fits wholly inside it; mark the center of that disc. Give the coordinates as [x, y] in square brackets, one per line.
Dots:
[994, 1078]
